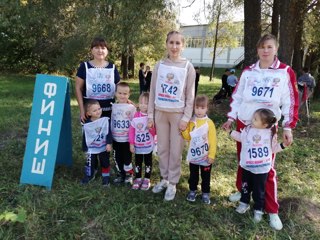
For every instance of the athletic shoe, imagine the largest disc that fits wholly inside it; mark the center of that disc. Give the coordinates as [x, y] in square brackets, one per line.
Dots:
[106, 181]
[170, 192]
[242, 208]
[137, 184]
[257, 217]
[206, 198]
[191, 197]
[235, 197]
[160, 186]
[275, 221]
[118, 180]
[87, 180]
[128, 179]
[145, 184]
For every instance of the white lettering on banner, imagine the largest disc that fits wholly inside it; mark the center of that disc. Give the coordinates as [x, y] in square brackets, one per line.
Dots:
[38, 167]
[44, 107]
[49, 90]
[38, 147]
[40, 128]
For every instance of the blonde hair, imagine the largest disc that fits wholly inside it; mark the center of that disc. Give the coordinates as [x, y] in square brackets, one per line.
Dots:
[175, 32]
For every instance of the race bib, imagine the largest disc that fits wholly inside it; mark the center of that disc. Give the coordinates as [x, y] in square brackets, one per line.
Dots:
[96, 135]
[169, 87]
[256, 152]
[122, 114]
[199, 146]
[143, 141]
[264, 88]
[100, 83]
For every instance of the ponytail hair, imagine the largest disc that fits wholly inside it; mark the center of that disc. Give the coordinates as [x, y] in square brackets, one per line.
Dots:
[268, 117]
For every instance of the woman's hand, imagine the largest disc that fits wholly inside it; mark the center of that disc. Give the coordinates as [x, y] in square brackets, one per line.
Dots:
[83, 117]
[287, 137]
[227, 125]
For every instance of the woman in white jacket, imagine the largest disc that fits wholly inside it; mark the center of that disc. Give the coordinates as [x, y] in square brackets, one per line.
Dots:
[266, 84]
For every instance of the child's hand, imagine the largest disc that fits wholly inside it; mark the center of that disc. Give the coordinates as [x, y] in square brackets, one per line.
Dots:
[182, 125]
[108, 147]
[132, 150]
[210, 160]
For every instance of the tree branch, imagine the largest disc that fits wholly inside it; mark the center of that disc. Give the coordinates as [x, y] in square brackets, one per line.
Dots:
[189, 4]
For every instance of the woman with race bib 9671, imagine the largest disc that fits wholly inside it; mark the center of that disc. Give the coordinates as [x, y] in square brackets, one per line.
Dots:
[170, 109]
[272, 85]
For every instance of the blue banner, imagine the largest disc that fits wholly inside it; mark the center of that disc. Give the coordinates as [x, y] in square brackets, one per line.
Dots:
[49, 136]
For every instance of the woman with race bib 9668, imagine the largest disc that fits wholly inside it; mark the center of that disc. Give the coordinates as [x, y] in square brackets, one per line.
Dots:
[170, 109]
[272, 85]
[97, 79]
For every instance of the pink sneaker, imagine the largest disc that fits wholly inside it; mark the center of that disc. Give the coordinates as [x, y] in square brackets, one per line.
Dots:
[145, 184]
[137, 184]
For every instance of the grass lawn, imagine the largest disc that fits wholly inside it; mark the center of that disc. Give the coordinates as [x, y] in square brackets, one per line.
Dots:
[72, 211]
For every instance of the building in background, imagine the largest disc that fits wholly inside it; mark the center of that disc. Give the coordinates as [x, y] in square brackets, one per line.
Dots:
[199, 48]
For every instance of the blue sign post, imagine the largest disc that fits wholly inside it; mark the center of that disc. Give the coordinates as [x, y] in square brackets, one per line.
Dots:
[49, 136]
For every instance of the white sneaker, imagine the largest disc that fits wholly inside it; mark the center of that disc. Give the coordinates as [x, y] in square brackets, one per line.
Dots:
[275, 221]
[170, 192]
[257, 217]
[235, 197]
[160, 186]
[242, 208]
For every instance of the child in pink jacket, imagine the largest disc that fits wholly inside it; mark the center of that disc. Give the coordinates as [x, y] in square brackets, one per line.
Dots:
[141, 140]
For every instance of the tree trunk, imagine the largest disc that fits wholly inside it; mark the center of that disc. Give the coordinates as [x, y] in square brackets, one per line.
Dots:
[298, 52]
[131, 62]
[215, 41]
[291, 12]
[275, 17]
[252, 30]
[124, 65]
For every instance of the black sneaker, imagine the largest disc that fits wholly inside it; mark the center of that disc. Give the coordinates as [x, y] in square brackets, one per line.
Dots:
[206, 198]
[105, 181]
[86, 180]
[191, 197]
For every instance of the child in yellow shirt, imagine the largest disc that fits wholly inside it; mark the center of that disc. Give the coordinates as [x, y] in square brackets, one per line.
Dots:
[201, 135]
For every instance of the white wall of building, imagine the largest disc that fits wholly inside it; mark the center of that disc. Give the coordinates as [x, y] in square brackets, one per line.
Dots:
[202, 56]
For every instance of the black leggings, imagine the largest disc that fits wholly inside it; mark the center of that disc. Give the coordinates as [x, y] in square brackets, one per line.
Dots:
[147, 159]
[122, 157]
[194, 177]
[255, 184]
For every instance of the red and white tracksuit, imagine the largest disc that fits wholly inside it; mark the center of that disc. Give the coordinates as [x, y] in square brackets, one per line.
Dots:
[274, 88]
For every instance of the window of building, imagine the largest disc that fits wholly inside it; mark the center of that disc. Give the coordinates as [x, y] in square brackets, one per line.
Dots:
[194, 43]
